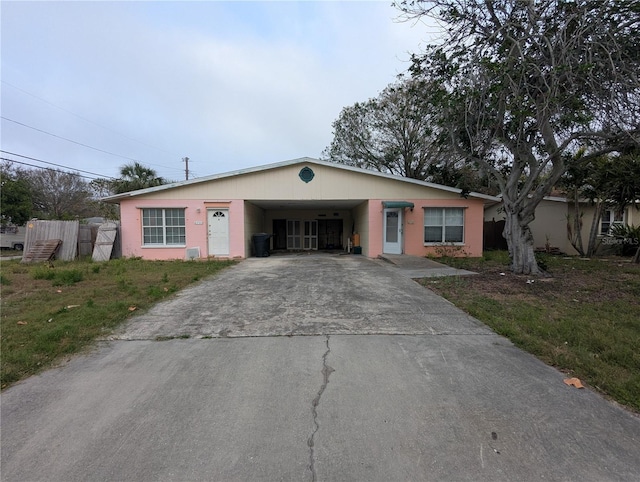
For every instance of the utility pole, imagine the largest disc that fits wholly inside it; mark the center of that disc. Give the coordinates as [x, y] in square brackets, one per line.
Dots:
[186, 167]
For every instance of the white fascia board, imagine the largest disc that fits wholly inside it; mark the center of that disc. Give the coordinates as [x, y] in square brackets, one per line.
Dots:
[301, 160]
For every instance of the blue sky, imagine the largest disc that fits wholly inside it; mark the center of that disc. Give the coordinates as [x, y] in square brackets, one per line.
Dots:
[228, 84]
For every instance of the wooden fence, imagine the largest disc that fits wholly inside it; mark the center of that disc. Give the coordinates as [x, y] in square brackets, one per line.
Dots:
[493, 238]
[77, 239]
[66, 231]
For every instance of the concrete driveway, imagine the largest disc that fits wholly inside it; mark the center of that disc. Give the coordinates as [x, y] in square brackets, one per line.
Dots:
[307, 294]
[390, 382]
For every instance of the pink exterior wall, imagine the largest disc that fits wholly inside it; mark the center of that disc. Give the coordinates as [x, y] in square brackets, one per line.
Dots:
[376, 229]
[196, 228]
[413, 227]
[195, 224]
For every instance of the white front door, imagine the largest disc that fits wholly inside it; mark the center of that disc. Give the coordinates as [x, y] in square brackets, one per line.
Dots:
[218, 221]
[392, 231]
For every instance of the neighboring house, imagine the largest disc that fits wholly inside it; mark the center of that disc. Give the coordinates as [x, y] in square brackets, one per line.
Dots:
[305, 204]
[552, 215]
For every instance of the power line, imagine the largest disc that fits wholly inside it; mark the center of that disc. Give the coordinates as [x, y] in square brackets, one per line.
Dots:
[69, 140]
[87, 120]
[78, 143]
[46, 168]
[51, 163]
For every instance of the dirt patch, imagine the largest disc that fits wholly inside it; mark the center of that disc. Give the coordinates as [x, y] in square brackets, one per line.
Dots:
[570, 280]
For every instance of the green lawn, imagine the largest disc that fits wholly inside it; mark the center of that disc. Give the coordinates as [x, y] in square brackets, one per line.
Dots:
[584, 319]
[52, 311]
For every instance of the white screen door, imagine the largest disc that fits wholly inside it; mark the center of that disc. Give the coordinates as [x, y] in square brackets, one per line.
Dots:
[218, 221]
[293, 234]
[392, 231]
[310, 239]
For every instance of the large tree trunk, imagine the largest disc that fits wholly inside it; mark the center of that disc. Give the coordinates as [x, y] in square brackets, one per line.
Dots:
[574, 225]
[520, 244]
[595, 229]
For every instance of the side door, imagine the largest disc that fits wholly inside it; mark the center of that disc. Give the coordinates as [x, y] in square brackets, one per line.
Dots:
[392, 231]
[218, 232]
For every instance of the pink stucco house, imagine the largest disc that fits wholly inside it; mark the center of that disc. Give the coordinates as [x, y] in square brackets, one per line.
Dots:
[304, 204]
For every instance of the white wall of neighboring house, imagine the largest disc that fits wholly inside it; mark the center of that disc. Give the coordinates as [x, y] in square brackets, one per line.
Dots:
[552, 216]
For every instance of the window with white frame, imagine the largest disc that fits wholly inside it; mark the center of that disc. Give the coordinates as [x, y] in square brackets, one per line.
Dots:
[163, 227]
[443, 225]
[610, 217]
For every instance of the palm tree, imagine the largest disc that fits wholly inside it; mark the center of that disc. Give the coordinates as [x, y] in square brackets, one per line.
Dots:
[136, 176]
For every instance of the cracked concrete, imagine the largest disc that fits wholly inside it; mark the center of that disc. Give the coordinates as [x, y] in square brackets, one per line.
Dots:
[326, 372]
[429, 394]
[304, 295]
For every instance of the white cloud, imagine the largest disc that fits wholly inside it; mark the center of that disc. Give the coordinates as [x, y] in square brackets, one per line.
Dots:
[228, 84]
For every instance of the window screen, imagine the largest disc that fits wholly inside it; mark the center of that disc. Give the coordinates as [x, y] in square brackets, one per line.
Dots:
[443, 225]
[163, 227]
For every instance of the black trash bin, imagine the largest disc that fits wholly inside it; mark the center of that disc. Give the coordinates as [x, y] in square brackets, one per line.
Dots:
[261, 245]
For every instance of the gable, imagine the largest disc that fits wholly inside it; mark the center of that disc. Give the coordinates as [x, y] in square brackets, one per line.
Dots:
[284, 182]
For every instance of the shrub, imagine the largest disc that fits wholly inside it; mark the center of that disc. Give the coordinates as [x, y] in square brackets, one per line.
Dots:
[43, 272]
[68, 277]
[626, 237]
[542, 260]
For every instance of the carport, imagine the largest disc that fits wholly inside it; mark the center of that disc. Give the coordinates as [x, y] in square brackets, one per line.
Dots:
[306, 225]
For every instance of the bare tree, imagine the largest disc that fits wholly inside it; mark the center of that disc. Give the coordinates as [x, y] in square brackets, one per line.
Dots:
[528, 82]
[59, 195]
[393, 133]
[100, 188]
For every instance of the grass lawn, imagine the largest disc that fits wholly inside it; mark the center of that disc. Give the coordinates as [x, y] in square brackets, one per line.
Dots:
[584, 319]
[50, 312]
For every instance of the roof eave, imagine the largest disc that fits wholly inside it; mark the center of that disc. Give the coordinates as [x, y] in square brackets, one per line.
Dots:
[118, 197]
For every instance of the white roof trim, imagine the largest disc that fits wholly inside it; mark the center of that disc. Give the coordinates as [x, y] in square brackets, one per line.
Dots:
[498, 199]
[301, 160]
[556, 199]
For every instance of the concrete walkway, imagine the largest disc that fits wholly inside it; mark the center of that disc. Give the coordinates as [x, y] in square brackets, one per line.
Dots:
[389, 383]
[420, 267]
